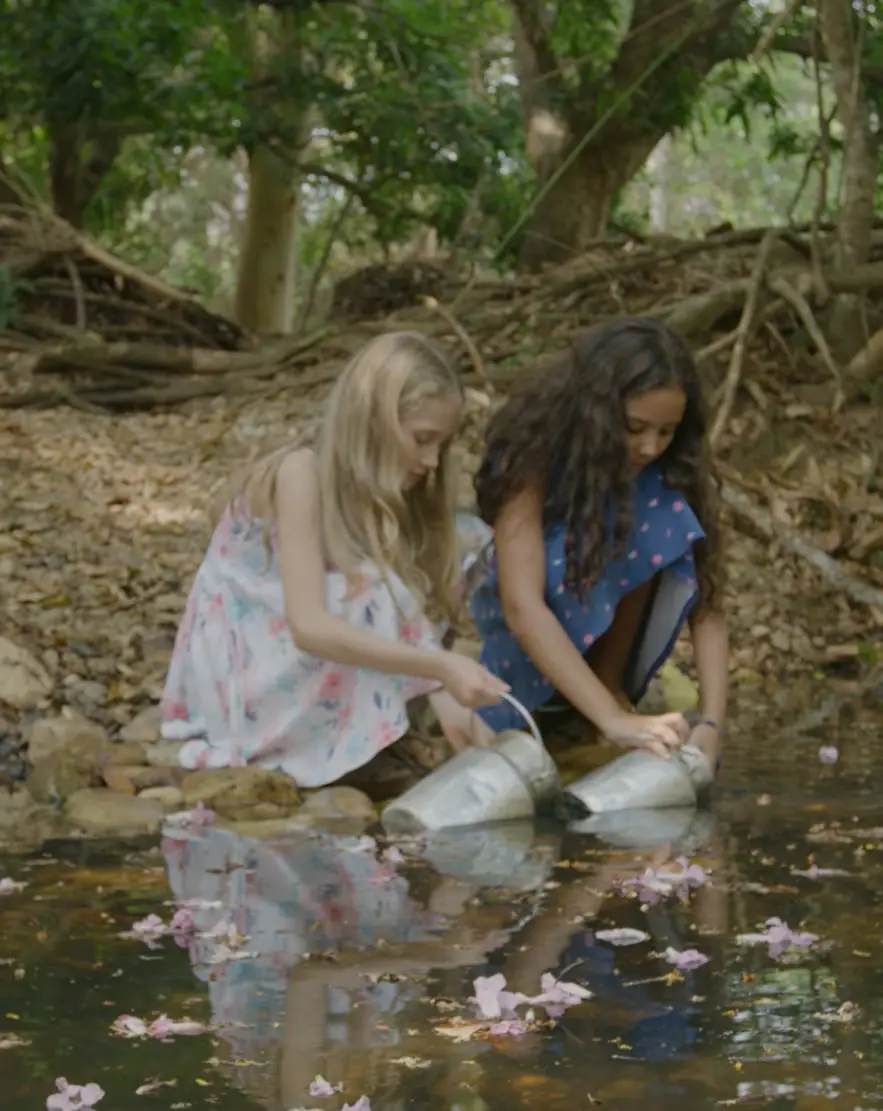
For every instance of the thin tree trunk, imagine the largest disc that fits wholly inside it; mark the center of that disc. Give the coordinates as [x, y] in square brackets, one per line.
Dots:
[79, 161]
[267, 269]
[855, 224]
[265, 279]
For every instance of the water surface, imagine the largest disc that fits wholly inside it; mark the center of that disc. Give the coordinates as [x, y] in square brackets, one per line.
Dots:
[357, 963]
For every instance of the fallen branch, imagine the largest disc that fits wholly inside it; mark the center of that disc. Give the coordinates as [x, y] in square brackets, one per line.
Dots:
[865, 365]
[744, 332]
[801, 305]
[461, 333]
[829, 569]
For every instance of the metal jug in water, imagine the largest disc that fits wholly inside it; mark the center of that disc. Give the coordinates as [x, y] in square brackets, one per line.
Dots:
[641, 780]
[507, 781]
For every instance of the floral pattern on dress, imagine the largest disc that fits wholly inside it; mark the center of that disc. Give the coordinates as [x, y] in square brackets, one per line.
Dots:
[239, 691]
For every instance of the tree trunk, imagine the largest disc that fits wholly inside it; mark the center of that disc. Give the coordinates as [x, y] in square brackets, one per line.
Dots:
[657, 75]
[265, 280]
[79, 161]
[577, 206]
[267, 267]
[845, 324]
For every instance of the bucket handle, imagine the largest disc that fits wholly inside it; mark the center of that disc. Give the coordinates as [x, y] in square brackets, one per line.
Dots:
[537, 736]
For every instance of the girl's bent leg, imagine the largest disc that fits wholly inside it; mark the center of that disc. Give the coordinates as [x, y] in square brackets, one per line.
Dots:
[609, 658]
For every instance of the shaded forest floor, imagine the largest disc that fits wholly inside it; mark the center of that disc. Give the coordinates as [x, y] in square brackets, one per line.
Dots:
[103, 520]
[103, 525]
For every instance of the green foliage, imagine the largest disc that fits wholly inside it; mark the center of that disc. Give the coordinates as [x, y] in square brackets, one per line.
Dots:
[124, 65]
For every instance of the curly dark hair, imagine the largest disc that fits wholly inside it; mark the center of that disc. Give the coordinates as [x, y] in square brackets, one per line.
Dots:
[564, 431]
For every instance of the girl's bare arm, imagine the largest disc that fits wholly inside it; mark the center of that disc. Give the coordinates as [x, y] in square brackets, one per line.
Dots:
[302, 570]
[711, 653]
[521, 568]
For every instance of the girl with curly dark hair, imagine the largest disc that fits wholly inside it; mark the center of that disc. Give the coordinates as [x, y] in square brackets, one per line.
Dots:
[597, 484]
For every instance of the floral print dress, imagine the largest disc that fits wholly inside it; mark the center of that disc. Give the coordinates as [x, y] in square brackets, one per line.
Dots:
[238, 690]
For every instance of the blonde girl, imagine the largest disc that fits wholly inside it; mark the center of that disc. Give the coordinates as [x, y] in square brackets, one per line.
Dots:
[315, 616]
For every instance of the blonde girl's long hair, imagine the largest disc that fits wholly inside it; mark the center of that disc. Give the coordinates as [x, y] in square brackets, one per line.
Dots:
[367, 513]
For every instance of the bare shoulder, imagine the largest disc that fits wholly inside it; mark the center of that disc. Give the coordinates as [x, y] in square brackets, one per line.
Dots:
[297, 481]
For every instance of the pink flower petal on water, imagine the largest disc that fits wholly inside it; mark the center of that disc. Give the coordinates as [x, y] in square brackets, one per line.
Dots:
[829, 754]
[73, 1097]
[129, 1026]
[508, 1028]
[487, 995]
[182, 921]
[622, 936]
[686, 960]
[557, 995]
[320, 1088]
[165, 1027]
[195, 820]
[361, 1104]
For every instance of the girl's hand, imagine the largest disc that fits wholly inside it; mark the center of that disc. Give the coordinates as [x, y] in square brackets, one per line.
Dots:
[468, 682]
[660, 733]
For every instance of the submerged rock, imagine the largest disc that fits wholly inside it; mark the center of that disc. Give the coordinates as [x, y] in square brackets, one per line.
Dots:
[103, 812]
[243, 794]
[24, 681]
[24, 824]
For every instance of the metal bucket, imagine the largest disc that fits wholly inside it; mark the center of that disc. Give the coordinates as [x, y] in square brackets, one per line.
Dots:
[640, 780]
[504, 782]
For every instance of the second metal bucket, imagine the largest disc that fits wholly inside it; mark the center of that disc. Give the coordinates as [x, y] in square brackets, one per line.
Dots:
[506, 781]
[641, 780]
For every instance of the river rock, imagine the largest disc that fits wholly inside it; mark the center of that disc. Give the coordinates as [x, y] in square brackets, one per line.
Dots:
[242, 794]
[68, 769]
[143, 727]
[129, 753]
[103, 812]
[170, 798]
[164, 754]
[670, 689]
[24, 824]
[132, 779]
[24, 681]
[339, 805]
[49, 734]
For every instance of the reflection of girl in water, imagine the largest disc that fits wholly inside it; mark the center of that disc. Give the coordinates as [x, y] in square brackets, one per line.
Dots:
[330, 897]
[288, 898]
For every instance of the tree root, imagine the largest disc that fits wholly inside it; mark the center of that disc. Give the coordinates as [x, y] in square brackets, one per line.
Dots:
[97, 323]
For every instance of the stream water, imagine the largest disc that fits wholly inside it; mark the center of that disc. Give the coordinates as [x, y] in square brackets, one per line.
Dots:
[359, 966]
